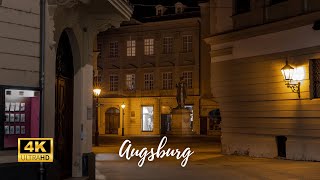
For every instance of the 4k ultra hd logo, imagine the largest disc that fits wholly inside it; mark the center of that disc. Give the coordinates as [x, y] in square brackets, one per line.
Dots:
[35, 150]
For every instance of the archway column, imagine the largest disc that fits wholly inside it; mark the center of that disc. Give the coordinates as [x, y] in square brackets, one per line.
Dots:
[83, 28]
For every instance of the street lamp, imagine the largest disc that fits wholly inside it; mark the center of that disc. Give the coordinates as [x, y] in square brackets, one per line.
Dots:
[288, 73]
[123, 106]
[96, 92]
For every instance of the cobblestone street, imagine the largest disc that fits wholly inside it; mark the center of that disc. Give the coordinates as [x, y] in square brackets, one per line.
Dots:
[205, 163]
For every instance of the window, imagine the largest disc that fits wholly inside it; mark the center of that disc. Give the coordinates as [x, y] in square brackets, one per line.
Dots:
[148, 81]
[167, 80]
[315, 70]
[114, 51]
[147, 118]
[276, 1]
[131, 48]
[187, 76]
[190, 108]
[187, 43]
[167, 45]
[113, 82]
[130, 81]
[242, 6]
[149, 47]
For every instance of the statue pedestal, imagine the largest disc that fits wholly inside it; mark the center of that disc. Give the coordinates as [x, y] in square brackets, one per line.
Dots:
[180, 123]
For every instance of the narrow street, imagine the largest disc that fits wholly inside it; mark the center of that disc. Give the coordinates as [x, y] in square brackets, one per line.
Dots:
[205, 163]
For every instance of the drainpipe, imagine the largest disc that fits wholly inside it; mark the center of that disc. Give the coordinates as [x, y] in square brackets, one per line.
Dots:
[42, 60]
[200, 64]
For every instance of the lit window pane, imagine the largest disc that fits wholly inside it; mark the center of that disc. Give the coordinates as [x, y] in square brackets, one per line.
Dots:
[147, 118]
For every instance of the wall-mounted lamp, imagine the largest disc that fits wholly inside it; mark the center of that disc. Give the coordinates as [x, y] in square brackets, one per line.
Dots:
[288, 73]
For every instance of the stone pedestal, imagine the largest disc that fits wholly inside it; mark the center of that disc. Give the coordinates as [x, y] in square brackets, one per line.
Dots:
[180, 123]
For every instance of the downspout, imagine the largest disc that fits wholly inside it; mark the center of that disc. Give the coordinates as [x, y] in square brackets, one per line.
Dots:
[42, 64]
[200, 43]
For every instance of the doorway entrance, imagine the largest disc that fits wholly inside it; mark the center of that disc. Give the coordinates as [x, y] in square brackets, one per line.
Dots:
[64, 106]
[112, 121]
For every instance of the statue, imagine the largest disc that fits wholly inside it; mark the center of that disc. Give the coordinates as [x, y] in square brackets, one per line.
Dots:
[181, 93]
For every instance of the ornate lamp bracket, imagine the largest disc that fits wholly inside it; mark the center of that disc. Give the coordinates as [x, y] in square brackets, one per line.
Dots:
[294, 87]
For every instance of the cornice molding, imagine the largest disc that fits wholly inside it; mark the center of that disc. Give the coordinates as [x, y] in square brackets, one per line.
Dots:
[259, 30]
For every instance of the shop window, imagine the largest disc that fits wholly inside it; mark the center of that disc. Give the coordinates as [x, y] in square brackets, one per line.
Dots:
[147, 118]
[214, 120]
[272, 2]
[190, 108]
[22, 109]
[242, 6]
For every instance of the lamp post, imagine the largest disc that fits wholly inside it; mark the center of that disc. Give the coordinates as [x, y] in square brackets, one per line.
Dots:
[123, 106]
[288, 72]
[96, 92]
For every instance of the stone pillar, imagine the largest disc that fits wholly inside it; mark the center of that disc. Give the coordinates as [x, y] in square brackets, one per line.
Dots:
[180, 124]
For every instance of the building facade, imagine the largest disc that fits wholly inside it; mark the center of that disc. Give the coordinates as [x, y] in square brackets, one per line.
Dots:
[143, 60]
[263, 116]
[67, 46]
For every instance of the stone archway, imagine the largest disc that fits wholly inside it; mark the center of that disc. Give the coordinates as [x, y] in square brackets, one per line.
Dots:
[64, 88]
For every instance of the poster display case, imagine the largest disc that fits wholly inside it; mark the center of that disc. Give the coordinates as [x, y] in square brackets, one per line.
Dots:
[21, 116]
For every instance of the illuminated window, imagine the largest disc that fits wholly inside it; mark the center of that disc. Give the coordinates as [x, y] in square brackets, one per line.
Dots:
[130, 81]
[187, 43]
[148, 81]
[147, 118]
[114, 51]
[131, 48]
[187, 76]
[167, 45]
[167, 80]
[149, 47]
[114, 82]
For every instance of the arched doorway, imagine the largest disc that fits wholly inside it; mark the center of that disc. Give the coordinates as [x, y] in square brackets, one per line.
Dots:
[112, 118]
[64, 105]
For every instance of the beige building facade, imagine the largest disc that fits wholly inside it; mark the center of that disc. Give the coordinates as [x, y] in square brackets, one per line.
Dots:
[71, 27]
[141, 64]
[262, 117]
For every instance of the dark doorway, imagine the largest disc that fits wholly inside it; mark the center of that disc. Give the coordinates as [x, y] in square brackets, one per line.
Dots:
[281, 145]
[203, 126]
[64, 106]
[165, 123]
[112, 121]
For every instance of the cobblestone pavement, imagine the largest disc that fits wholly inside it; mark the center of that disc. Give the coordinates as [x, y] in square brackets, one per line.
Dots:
[205, 163]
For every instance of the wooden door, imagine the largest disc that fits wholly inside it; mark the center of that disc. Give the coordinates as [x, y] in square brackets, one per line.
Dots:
[64, 106]
[112, 121]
